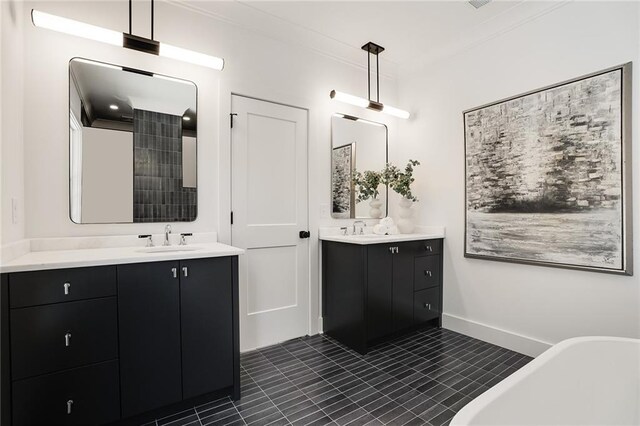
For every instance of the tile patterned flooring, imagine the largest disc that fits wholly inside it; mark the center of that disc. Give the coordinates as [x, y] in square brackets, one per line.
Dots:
[419, 379]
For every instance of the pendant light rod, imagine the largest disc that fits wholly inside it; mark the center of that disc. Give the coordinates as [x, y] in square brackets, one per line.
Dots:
[378, 78]
[152, 18]
[130, 15]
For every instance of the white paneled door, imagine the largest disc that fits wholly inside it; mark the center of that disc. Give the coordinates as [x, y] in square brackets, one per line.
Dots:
[269, 204]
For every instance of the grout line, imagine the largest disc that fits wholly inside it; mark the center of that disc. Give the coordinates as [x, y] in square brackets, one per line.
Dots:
[266, 394]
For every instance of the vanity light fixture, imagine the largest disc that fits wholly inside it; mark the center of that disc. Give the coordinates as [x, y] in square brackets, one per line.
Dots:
[128, 40]
[372, 49]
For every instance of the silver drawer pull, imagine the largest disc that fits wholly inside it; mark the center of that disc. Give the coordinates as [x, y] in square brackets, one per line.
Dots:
[185, 271]
[391, 250]
[428, 306]
[428, 248]
[67, 288]
[427, 273]
[174, 271]
[69, 404]
[67, 339]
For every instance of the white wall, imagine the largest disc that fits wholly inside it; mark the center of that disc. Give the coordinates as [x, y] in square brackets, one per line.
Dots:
[534, 305]
[11, 99]
[255, 66]
[107, 176]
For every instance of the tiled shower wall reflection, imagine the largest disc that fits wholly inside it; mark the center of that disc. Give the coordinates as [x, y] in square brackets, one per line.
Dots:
[158, 192]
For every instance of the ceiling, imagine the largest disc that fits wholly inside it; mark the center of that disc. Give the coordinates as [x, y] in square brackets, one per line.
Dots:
[102, 85]
[414, 33]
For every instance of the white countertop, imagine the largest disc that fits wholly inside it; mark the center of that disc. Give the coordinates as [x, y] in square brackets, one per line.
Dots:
[56, 259]
[424, 233]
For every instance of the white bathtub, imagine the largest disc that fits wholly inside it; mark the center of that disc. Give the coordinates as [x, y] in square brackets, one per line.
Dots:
[581, 381]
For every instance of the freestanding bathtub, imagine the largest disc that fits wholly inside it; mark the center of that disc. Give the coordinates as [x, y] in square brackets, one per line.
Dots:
[580, 381]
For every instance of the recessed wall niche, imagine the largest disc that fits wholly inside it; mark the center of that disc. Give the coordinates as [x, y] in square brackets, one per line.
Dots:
[132, 145]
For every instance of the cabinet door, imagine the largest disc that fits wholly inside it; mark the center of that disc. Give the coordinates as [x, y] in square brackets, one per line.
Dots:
[403, 286]
[149, 335]
[379, 291]
[207, 325]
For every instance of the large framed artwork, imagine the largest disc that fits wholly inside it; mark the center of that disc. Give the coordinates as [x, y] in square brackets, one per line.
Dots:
[342, 189]
[548, 175]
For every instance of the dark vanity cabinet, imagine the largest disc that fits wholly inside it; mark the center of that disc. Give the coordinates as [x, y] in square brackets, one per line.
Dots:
[117, 344]
[374, 291]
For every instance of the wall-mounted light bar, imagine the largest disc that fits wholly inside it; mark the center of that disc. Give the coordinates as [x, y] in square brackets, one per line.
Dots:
[364, 103]
[115, 38]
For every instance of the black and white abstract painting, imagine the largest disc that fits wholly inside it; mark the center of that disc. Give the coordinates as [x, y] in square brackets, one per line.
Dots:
[342, 191]
[545, 175]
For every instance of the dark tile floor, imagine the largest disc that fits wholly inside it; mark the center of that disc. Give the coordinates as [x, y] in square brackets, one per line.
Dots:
[420, 379]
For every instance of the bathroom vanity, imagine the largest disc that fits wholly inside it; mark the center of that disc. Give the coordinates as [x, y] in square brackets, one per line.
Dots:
[117, 334]
[375, 287]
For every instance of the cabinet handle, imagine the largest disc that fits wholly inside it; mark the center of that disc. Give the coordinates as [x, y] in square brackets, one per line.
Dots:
[67, 287]
[391, 250]
[174, 271]
[428, 306]
[67, 339]
[69, 404]
[185, 271]
[428, 248]
[427, 273]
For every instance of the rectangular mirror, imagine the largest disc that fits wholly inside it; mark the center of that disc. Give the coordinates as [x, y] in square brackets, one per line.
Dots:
[358, 145]
[132, 145]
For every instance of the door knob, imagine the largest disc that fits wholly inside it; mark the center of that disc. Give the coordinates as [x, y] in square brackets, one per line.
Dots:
[304, 234]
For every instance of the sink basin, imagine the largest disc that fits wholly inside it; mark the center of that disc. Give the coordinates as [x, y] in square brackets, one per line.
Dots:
[167, 249]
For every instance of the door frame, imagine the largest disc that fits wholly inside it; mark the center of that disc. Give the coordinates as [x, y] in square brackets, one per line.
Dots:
[225, 200]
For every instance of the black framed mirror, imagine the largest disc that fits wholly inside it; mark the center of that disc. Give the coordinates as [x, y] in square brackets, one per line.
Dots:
[357, 145]
[132, 145]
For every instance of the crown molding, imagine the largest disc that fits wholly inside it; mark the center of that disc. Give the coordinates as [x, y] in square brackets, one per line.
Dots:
[314, 41]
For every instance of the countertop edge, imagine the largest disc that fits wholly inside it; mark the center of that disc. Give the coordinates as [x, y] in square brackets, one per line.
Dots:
[383, 239]
[119, 260]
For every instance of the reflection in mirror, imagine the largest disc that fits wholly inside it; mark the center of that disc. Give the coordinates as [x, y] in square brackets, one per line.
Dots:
[357, 145]
[132, 140]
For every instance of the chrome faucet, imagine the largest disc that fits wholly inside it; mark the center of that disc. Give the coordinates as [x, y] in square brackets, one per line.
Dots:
[361, 228]
[167, 231]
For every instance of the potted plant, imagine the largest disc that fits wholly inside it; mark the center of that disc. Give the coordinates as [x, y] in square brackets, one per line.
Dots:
[367, 184]
[400, 182]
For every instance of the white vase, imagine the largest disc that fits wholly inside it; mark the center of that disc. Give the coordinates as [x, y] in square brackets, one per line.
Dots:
[375, 212]
[405, 223]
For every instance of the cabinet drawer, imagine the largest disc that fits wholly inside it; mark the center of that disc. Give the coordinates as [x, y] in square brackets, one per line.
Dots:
[91, 394]
[430, 247]
[426, 272]
[42, 287]
[49, 338]
[426, 305]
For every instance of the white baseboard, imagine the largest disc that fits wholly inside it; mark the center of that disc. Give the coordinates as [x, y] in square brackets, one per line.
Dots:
[507, 339]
